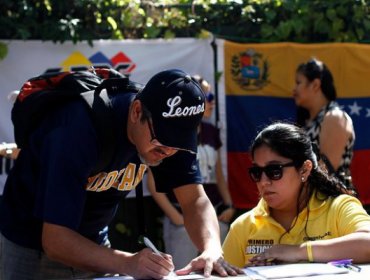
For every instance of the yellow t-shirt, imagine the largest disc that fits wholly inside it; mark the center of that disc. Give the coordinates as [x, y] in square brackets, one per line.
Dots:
[255, 231]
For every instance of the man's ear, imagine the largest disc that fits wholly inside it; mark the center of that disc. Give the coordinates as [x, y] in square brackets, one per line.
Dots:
[136, 111]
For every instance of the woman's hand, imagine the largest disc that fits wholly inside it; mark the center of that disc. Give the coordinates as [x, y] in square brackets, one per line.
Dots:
[280, 253]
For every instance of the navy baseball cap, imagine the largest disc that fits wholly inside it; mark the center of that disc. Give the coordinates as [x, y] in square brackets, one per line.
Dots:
[176, 104]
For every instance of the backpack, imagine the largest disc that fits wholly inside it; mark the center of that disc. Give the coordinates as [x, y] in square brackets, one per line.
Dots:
[41, 95]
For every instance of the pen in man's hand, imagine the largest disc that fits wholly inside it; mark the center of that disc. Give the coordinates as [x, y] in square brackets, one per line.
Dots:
[150, 245]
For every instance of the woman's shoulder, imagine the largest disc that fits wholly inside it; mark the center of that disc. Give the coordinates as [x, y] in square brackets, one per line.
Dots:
[245, 217]
[344, 199]
[337, 113]
[337, 120]
[251, 215]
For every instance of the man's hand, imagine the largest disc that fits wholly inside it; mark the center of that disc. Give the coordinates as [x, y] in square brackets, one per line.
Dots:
[208, 263]
[148, 265]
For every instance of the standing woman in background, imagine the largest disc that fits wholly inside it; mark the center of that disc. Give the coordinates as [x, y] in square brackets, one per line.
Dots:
[326, 123]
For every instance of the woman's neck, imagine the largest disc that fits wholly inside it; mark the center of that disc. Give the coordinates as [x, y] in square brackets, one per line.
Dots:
[285, 217]
[316, 106]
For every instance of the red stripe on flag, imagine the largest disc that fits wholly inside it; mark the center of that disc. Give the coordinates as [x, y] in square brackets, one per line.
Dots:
[360, 169]
[243, 190]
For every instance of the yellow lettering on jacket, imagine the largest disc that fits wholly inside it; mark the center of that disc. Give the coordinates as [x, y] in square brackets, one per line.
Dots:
[123, 180]
[94, 182]
[127, 180]
[140, 174]
[108, 181]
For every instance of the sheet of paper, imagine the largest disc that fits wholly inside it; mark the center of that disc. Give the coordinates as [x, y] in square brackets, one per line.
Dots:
[187, 277]
[294, 270]
[183, 277]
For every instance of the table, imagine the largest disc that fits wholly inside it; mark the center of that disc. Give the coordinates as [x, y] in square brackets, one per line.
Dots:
[351, 275]
[364, 274]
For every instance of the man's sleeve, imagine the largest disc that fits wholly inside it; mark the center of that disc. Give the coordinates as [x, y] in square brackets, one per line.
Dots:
[178, 170]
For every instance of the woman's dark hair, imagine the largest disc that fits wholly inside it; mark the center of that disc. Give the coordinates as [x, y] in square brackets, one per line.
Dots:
[292, 142]
[316, 69]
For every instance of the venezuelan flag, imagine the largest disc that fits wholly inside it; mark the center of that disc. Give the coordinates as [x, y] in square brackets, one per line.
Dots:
[259, 79]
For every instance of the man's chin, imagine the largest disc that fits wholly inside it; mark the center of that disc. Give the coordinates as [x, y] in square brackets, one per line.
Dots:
[155, 163]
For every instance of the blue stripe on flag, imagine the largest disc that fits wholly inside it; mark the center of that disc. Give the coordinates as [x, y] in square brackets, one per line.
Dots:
[246, 115]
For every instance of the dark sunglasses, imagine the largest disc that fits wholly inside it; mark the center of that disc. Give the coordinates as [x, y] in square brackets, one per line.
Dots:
[156, 143]
[272, 171]
[210, 97]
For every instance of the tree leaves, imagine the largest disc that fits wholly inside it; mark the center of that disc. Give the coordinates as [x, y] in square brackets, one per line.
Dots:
[239, 20]
[3, 50]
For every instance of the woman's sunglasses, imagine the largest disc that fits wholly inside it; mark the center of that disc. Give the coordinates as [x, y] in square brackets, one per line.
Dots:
[272, 171]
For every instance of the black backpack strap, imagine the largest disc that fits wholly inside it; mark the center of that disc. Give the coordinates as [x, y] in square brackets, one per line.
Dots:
[104, 123]
[102, 114]
[117, 85]
[113, 85]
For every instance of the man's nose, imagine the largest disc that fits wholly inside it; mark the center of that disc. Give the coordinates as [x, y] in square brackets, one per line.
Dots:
[166, 151]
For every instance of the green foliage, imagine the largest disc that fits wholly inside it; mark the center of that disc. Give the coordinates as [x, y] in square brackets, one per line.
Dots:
[3, 51]
[238, 20]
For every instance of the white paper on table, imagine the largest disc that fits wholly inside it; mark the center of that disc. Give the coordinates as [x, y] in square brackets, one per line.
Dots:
[294, 270]
[191, 276]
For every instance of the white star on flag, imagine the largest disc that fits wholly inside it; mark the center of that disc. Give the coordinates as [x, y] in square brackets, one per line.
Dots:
[355, 109]
[367, 112]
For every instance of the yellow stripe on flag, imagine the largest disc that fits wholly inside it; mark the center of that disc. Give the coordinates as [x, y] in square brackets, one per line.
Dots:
[269, 69]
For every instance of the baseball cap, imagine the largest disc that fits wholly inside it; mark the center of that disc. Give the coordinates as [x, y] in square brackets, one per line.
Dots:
[176, 104]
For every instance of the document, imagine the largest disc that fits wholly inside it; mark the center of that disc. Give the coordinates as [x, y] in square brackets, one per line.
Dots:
[184, 277]
[293, 270]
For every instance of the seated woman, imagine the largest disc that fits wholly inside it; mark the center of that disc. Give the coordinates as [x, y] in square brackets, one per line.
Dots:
[303, 214]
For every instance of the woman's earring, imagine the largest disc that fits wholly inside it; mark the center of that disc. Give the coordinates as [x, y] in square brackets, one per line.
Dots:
[302, 179]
